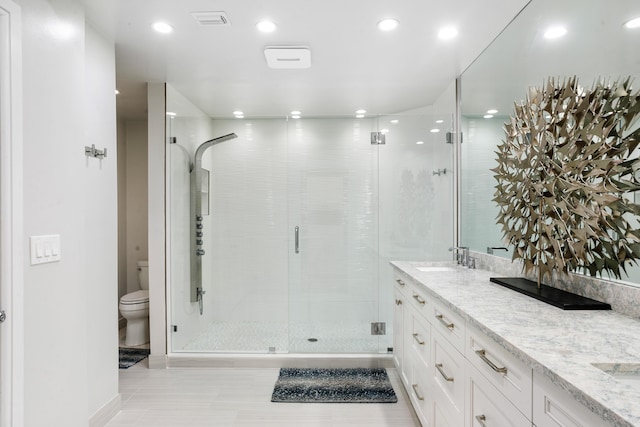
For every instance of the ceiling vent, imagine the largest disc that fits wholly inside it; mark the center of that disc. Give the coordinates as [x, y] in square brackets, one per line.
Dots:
[211, 18]
[288, 57]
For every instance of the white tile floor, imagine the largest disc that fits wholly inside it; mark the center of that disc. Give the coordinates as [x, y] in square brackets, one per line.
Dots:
[239, 397]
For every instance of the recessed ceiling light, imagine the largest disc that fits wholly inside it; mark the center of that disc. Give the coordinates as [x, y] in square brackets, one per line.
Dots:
[171, 114]
[439, 121]
[447, 33]
[420, 142]
[492, 111]
[361, 111]
[295, 113]
[555, 32]
[162, 27]
[359, 116]
[434, 130]
[634, 23]
[388, 24]
[394, 121]
[238, 113]
[488, 116]
[266, 26]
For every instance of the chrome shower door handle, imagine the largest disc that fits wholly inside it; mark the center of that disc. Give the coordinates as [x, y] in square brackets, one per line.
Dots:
[297, 239]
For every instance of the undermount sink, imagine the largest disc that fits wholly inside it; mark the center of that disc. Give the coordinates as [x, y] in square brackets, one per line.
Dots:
[435, 269]
[627, 373]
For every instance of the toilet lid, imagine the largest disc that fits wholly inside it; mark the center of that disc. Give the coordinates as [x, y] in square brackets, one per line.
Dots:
[136, 297]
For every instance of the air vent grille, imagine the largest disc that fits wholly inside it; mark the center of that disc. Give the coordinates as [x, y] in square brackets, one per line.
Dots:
[209, 19]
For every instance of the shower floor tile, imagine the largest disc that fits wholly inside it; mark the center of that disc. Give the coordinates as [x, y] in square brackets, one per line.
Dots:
[261, 337]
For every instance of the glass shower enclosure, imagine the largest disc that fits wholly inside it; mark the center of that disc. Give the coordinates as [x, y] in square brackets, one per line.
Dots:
[300, 220]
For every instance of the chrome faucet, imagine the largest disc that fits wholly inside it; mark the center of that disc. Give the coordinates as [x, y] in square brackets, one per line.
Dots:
[464, 258]
[490, 249]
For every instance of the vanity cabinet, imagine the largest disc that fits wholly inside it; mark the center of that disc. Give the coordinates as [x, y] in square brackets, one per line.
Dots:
[455, 376]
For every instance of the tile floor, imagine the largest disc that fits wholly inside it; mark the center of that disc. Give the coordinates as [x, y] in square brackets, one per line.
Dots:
[239, 397]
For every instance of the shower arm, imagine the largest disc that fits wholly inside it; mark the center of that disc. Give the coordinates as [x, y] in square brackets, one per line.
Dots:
[196, 216]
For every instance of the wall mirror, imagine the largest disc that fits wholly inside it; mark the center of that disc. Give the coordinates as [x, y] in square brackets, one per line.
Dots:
[547, 39]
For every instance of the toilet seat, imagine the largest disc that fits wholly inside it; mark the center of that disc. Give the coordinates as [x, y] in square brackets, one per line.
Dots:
[137, 297]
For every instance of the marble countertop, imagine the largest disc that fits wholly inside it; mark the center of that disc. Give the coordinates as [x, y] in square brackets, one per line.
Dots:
[560, 345]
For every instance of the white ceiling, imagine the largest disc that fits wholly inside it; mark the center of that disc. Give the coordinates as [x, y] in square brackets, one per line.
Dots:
[353, 64]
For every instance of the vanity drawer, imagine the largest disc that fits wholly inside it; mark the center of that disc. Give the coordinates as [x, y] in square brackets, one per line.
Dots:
[400, 283]
[508, 374]
[447, 374]
[451, 325]
[489, 407]
[554, 407]
[419, 299]
[420, 338]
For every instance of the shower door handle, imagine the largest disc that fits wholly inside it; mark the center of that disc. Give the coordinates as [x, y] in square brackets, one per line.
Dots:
[297, 238]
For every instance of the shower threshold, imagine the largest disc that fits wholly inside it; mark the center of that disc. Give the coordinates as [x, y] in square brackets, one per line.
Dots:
[281, 338]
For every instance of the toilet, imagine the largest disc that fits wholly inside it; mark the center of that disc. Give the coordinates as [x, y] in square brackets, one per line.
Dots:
[134, 307]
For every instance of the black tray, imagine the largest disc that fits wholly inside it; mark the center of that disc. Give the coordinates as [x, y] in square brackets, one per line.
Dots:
[556, 297]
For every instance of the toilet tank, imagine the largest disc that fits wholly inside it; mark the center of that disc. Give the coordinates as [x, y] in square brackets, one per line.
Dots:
[143, 274]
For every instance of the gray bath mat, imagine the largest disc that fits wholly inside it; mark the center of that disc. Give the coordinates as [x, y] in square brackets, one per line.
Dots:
[131, 356]
[358, 385]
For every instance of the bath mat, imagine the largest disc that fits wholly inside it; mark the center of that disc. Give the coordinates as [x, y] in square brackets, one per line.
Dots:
[131, 356]
[357, 385]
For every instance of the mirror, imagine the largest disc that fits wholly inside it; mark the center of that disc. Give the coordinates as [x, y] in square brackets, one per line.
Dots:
[596, 45]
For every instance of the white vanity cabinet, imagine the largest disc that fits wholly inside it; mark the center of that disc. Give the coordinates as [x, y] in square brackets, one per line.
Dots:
[553, 407]
[455, 376]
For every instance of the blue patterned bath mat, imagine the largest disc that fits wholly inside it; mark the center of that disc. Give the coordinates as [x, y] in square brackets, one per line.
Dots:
[357, 385]
[131, 356]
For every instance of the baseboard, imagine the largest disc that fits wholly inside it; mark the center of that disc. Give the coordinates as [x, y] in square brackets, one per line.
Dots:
[103, 415]
[280, 361]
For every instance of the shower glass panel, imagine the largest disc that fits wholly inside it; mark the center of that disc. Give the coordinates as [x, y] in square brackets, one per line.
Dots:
[333, 232]
[355, 206]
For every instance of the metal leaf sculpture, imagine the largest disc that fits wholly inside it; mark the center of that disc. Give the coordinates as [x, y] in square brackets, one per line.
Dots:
[563, 170]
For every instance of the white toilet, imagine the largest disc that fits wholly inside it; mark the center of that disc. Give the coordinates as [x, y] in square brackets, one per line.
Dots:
[135, 308]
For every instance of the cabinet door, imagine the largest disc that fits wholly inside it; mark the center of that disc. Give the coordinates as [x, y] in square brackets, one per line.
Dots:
[447, 376]
[398, 330]
[419, 391]
[553, 407]
[490, 408]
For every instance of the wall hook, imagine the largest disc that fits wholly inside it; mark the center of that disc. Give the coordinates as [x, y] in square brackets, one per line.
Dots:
[440, 172]
[94, 152]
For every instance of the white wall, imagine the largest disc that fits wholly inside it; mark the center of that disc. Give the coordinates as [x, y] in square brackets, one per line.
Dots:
[101, 213]
[122, 208]
[70, 310]
[136, 171]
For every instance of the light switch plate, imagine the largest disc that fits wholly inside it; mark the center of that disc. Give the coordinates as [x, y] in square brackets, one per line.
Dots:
[45, 249]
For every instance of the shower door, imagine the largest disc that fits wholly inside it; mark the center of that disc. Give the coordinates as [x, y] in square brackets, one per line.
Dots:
[333, 236]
